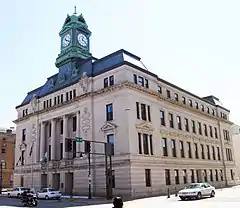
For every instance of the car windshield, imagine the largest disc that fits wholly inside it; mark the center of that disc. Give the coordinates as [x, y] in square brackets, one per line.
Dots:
[192, 186]
[25, 189]
[51, 189]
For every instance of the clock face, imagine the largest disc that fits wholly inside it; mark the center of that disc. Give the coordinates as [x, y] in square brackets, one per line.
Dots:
[66, 40]
[82, 39]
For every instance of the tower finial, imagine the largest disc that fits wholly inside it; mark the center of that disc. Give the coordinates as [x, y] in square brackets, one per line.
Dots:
[75, 10]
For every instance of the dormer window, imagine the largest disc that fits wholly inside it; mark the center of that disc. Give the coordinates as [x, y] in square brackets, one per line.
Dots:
[74, 72]
[159, 89]
[62, 78]
[50, 83]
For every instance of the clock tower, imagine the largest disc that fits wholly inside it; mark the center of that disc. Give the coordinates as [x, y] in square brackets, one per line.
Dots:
[74, 40]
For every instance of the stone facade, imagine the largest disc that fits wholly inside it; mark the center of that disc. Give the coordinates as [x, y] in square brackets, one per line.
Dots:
[128, 163]
[235, 130]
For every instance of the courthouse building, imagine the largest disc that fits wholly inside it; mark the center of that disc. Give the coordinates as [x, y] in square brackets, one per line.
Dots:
[163, 136]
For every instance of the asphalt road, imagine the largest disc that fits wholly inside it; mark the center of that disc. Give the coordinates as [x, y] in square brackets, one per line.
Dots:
[12, 202]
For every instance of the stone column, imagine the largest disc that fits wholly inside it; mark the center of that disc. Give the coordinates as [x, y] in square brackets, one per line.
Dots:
[53, 140]
[78, 134]
[65, 135]
[43, 140]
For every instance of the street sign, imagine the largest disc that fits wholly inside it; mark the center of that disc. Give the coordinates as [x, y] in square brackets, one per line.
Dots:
[78, 139]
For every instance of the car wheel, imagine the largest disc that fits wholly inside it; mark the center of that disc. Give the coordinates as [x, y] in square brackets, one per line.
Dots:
[9, 196]
[212, 194]
[46, 197]
[199, 195]
[182, 198]
[18, 195]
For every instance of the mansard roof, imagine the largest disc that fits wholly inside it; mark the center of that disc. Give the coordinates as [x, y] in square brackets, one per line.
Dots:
[93, 67]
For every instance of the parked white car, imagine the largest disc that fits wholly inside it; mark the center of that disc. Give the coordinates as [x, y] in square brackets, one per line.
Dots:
[16, 192]
[49, 193]
[197, 190]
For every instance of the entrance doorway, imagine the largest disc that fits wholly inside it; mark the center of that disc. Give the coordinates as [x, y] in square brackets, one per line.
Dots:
[56, 181]
[44, 181]
[68, 183]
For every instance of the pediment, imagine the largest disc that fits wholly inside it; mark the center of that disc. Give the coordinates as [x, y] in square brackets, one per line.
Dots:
[108, 126]
[145, 127]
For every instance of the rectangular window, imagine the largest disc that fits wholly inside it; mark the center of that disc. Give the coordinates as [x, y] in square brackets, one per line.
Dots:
[185, 176]
[202, 151]
[208, 152]
[216, 175]
[186, 124]
[179, 123]
[164, 145]
[61, 99]
[208, 111]
[205, 130]
[67, 96]
[176, 176]
[23, 135]
[145, 144]
[167, 177]
[193, 127]
[149, 113]
[151, 144]
[168, 94]
[211, 175]
[74, 149]
[202, 107]
[183, 100]
[189, 150]
[70, 95]
[135, 78]
[143, 112]
[138, 112]
[215, 132]
[213, 153]
[190, 102]
[148, 177]
[196, 150]
[198, 175]
[218, 153]
[173, 145]
[105, 82]
[176, 96]
[232, 175]
[159, 89]
[196, 105]
[171, 120]
[111, 80]
[44, 104]
[23, 157]
[140, 143]
[110, 139]
[199, 128]
[55, 100]
[49, 129]
[213, 112]
[61, 127]
[162, 117]
[146, 83]
[192, 176]
[61, 151]
[221, 175]
[205, 175]
[74, 93]
[109, 112]
[74, 123]
[58, 99]
[141, 81]
[181, 149]
[210, 130]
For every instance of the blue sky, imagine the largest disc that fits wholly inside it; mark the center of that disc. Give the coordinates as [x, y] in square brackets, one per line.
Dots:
[193, 44]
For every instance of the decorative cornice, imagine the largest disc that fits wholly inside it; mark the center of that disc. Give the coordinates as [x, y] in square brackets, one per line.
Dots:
[124, 84]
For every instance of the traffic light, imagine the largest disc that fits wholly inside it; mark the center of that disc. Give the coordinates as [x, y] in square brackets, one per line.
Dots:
[87, 146]
[69, 145]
